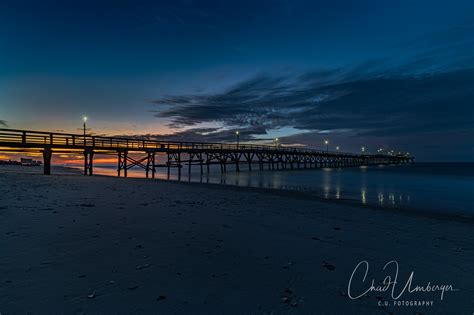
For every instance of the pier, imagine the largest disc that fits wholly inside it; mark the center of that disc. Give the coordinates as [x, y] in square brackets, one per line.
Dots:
[183, 155]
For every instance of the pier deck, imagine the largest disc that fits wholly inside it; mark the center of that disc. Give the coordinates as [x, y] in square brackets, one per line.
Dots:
[179, 154]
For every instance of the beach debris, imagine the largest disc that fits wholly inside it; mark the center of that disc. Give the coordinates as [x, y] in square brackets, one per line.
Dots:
[288, 265]
[161, 298]
[87, 205]
[289, 298]
[329, 266]
[133, 287]
[81, 276]
[314, 238]
[337, 228]
[145, 266]
[91, 296]
[139, 246]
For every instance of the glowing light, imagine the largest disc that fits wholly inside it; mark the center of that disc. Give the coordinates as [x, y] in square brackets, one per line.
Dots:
[84, 118]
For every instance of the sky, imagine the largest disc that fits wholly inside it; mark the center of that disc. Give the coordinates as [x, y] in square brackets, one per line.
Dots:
[396, 75]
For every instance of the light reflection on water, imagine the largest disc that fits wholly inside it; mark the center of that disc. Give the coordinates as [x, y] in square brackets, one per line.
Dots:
[426, 186]
[363, 196]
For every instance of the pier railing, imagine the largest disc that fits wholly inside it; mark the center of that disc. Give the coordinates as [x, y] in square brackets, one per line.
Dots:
[27, 138]
[196, 153]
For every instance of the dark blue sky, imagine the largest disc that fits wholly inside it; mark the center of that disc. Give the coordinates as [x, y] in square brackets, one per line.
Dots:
[392, 74]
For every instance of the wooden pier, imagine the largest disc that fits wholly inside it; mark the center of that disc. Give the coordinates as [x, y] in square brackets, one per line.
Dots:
[182, 155]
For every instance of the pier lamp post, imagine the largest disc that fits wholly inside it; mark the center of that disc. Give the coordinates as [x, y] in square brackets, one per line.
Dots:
[326, 142]
[276, 143]
[337, 148]
[363, 150]
[85, 128]
[237, 134]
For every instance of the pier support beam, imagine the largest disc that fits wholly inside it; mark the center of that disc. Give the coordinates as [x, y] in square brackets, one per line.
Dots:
[47, 154]
[88, 162]
[122, 163]
[150, 164]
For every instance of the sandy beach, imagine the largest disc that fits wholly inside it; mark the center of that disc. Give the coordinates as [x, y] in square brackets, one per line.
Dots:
[75, 244]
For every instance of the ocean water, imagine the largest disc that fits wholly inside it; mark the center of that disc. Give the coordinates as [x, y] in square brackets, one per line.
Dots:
[432, 187]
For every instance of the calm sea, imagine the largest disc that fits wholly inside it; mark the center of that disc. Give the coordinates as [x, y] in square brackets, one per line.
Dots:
[433, 187]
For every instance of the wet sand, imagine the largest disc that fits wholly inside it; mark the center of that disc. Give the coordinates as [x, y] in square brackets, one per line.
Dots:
[75, 244]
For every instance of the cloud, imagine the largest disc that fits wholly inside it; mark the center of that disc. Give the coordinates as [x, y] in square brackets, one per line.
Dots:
[415, 99]
[212, 134]
[379, 103]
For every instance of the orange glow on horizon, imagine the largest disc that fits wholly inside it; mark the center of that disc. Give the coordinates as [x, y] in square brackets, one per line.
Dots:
[80, 161]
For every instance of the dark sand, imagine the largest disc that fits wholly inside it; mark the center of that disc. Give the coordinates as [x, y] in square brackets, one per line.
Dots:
[74, 244]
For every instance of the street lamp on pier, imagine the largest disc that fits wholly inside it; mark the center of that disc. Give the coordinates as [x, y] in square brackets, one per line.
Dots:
[84, 119]
[337, 148]
[237, 134]
[276, 143]
[326, 142]
[363, 150]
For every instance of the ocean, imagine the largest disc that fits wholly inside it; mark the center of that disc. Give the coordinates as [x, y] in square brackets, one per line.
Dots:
[446, 188]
